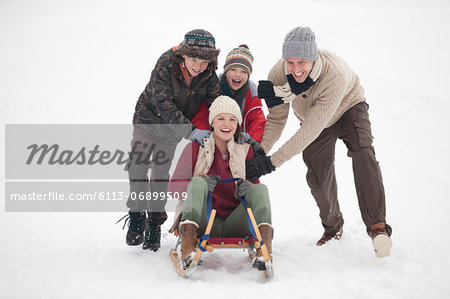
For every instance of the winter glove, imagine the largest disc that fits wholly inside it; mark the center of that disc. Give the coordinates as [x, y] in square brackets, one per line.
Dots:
[273, 101]
[242, 188]
[212, 180]
[258, 166]
[265, 89]
[275, 95]
[285, 93]
[257, 149]
[266, 92]
[198, 135]
[243, 138]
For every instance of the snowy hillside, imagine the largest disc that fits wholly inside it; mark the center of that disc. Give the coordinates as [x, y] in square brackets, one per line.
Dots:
[80, 61]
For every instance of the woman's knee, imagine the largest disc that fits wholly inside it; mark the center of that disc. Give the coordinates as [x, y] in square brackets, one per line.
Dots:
[259, 195]
[259, 190]
[198, 183]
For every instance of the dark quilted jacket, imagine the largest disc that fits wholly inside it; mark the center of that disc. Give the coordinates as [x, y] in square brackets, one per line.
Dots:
[167, 98]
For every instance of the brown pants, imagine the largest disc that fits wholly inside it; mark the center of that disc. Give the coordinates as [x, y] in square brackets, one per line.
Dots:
[354, 129]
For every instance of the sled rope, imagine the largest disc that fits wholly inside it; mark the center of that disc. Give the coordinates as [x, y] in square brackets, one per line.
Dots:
[250, 224]
[203, 238]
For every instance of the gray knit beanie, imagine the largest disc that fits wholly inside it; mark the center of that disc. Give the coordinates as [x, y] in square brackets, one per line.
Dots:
[300, 43]
[224, 104]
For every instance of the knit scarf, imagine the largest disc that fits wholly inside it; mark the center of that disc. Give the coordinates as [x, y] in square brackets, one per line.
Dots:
[298, 88]
[237, 95]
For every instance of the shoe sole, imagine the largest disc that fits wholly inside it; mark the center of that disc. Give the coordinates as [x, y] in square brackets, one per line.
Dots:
[135, 242]
[382, 245]
[154, 247]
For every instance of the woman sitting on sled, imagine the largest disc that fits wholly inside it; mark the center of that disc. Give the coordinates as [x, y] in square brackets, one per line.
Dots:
[199, 171]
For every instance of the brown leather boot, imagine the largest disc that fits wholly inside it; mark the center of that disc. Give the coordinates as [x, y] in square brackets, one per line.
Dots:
[381, 240]
[327, 237]
[188, 233]
[266, 232]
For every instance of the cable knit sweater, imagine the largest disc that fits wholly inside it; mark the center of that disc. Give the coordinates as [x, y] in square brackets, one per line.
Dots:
[337, 89]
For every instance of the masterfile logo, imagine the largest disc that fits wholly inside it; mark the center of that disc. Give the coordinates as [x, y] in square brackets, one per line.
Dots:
[52, 167]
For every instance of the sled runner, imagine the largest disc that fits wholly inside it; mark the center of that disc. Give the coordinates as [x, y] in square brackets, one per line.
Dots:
[205, 243]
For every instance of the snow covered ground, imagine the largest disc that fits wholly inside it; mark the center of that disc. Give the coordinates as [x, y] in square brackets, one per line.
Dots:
[87, 62]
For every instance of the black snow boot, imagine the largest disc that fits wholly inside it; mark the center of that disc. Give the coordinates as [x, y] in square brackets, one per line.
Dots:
[136, 228]
[152, 239]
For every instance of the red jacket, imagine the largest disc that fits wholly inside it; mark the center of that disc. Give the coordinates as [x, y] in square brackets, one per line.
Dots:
[253, 119]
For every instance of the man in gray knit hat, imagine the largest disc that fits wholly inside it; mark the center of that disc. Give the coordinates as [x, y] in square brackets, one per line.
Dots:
[329, 101]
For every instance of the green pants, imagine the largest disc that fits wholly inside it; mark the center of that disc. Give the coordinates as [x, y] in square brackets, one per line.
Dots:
[236, 224]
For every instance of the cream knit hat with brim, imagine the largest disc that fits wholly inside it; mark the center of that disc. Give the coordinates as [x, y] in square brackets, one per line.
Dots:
[224, 104]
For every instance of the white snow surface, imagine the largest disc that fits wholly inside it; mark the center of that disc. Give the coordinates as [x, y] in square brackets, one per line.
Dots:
[88, 61]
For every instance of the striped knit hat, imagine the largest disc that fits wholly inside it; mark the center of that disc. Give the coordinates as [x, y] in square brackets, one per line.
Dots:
[200, 38]
[199, 43]
[239, 57]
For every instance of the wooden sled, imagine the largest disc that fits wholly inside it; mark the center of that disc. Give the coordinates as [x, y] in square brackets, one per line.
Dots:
[211, 243]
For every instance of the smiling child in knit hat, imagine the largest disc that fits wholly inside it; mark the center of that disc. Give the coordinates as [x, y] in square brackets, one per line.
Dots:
[239, 62]
[198, 50]
[235, 83]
